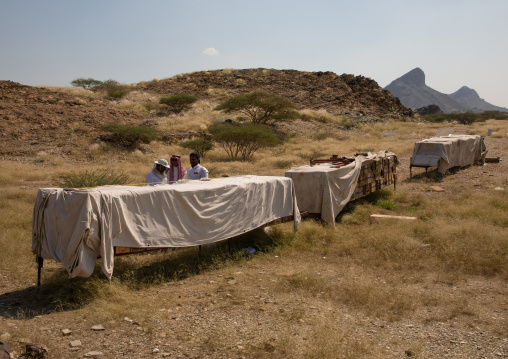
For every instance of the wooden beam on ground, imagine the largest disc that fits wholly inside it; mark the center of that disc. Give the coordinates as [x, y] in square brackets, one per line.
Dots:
[373, 216]
[492, 159]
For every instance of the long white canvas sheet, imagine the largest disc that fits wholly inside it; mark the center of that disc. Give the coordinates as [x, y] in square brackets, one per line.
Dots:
[325, 189]
[451, 150]
[75, 226]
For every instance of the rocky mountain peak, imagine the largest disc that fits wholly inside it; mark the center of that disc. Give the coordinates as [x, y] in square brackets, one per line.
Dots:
[465, 91]
[415, 77]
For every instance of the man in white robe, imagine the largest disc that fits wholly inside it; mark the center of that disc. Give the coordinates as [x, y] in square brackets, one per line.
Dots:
[158, 173]
[196, 171]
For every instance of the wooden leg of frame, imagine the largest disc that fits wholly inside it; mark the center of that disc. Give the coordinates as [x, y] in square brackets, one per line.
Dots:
[40, 264]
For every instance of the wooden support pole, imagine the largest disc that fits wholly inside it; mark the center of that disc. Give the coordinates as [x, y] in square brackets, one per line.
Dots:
[40, 264]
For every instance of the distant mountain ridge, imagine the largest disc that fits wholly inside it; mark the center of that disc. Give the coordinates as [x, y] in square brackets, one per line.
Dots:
[414, 93]
[470, 97]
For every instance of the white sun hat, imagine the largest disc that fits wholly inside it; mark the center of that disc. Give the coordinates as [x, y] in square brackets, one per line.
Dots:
[162, 162]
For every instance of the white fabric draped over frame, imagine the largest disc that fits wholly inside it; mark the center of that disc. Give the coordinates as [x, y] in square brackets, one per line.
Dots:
[78, 225]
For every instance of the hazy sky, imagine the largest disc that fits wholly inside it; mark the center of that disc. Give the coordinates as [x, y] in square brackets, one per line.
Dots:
[455, 42]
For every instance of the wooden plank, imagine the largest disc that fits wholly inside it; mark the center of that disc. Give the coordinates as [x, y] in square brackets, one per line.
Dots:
[437, 188]
[392, 217]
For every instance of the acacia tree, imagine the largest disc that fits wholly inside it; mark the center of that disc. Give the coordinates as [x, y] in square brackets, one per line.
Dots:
[260, 107]
[240, 141]
[88, 84]
[201, 146]
[179, 102]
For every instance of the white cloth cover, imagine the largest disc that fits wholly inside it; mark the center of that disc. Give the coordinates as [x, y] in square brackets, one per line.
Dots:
[452, 151]
[78, 225]
[326, 190]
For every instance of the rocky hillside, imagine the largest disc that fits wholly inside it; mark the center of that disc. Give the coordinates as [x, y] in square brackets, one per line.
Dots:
[414, 93]
[344, 94]
[34, 119]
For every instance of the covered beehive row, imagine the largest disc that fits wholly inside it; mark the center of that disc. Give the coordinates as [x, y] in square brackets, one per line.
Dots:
[376, 174]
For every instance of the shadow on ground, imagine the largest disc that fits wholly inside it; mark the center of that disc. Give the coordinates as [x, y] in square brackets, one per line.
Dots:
[59, 293]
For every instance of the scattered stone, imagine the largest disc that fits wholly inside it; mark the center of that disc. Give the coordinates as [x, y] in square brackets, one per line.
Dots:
[66, 332]
[97, 328]
[36, 351]
[75, 343]
[94, 354]
[5, 350]
[127, 319]
[155, 350]
[409, 353]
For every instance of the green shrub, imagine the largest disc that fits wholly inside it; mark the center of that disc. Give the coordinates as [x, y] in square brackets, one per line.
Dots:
[435, 118]
[129, 136]
[320, 136]
[308, 156]
[283, 164]
[114, 89]
[93, 179]
[241, 141]
[348, 123]
[200, 146]
[178, 103]
[496, 115]
[465, 118]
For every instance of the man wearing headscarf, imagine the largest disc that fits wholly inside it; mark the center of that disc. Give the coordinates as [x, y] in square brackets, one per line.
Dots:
[176, 169]
[197, 171]
[158, 173]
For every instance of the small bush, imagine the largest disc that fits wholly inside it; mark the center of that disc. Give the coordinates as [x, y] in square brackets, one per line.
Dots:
[93, 179]
[283, 164]
[178, 103]
[200, 146]
[114, 89]
[496, 115]
[465, 118]
[307, 156]
[348, 123]
[241, 141]
[320, 136]
[129, 136]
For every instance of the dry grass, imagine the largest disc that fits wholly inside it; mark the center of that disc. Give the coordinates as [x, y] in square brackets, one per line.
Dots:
[320, 284]
[72, 90]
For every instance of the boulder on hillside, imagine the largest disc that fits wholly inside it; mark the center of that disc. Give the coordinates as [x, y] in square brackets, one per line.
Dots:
[428, 110]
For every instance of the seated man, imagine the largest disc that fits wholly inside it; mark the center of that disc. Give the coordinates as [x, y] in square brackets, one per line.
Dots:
[158, 173]
[196, 171]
